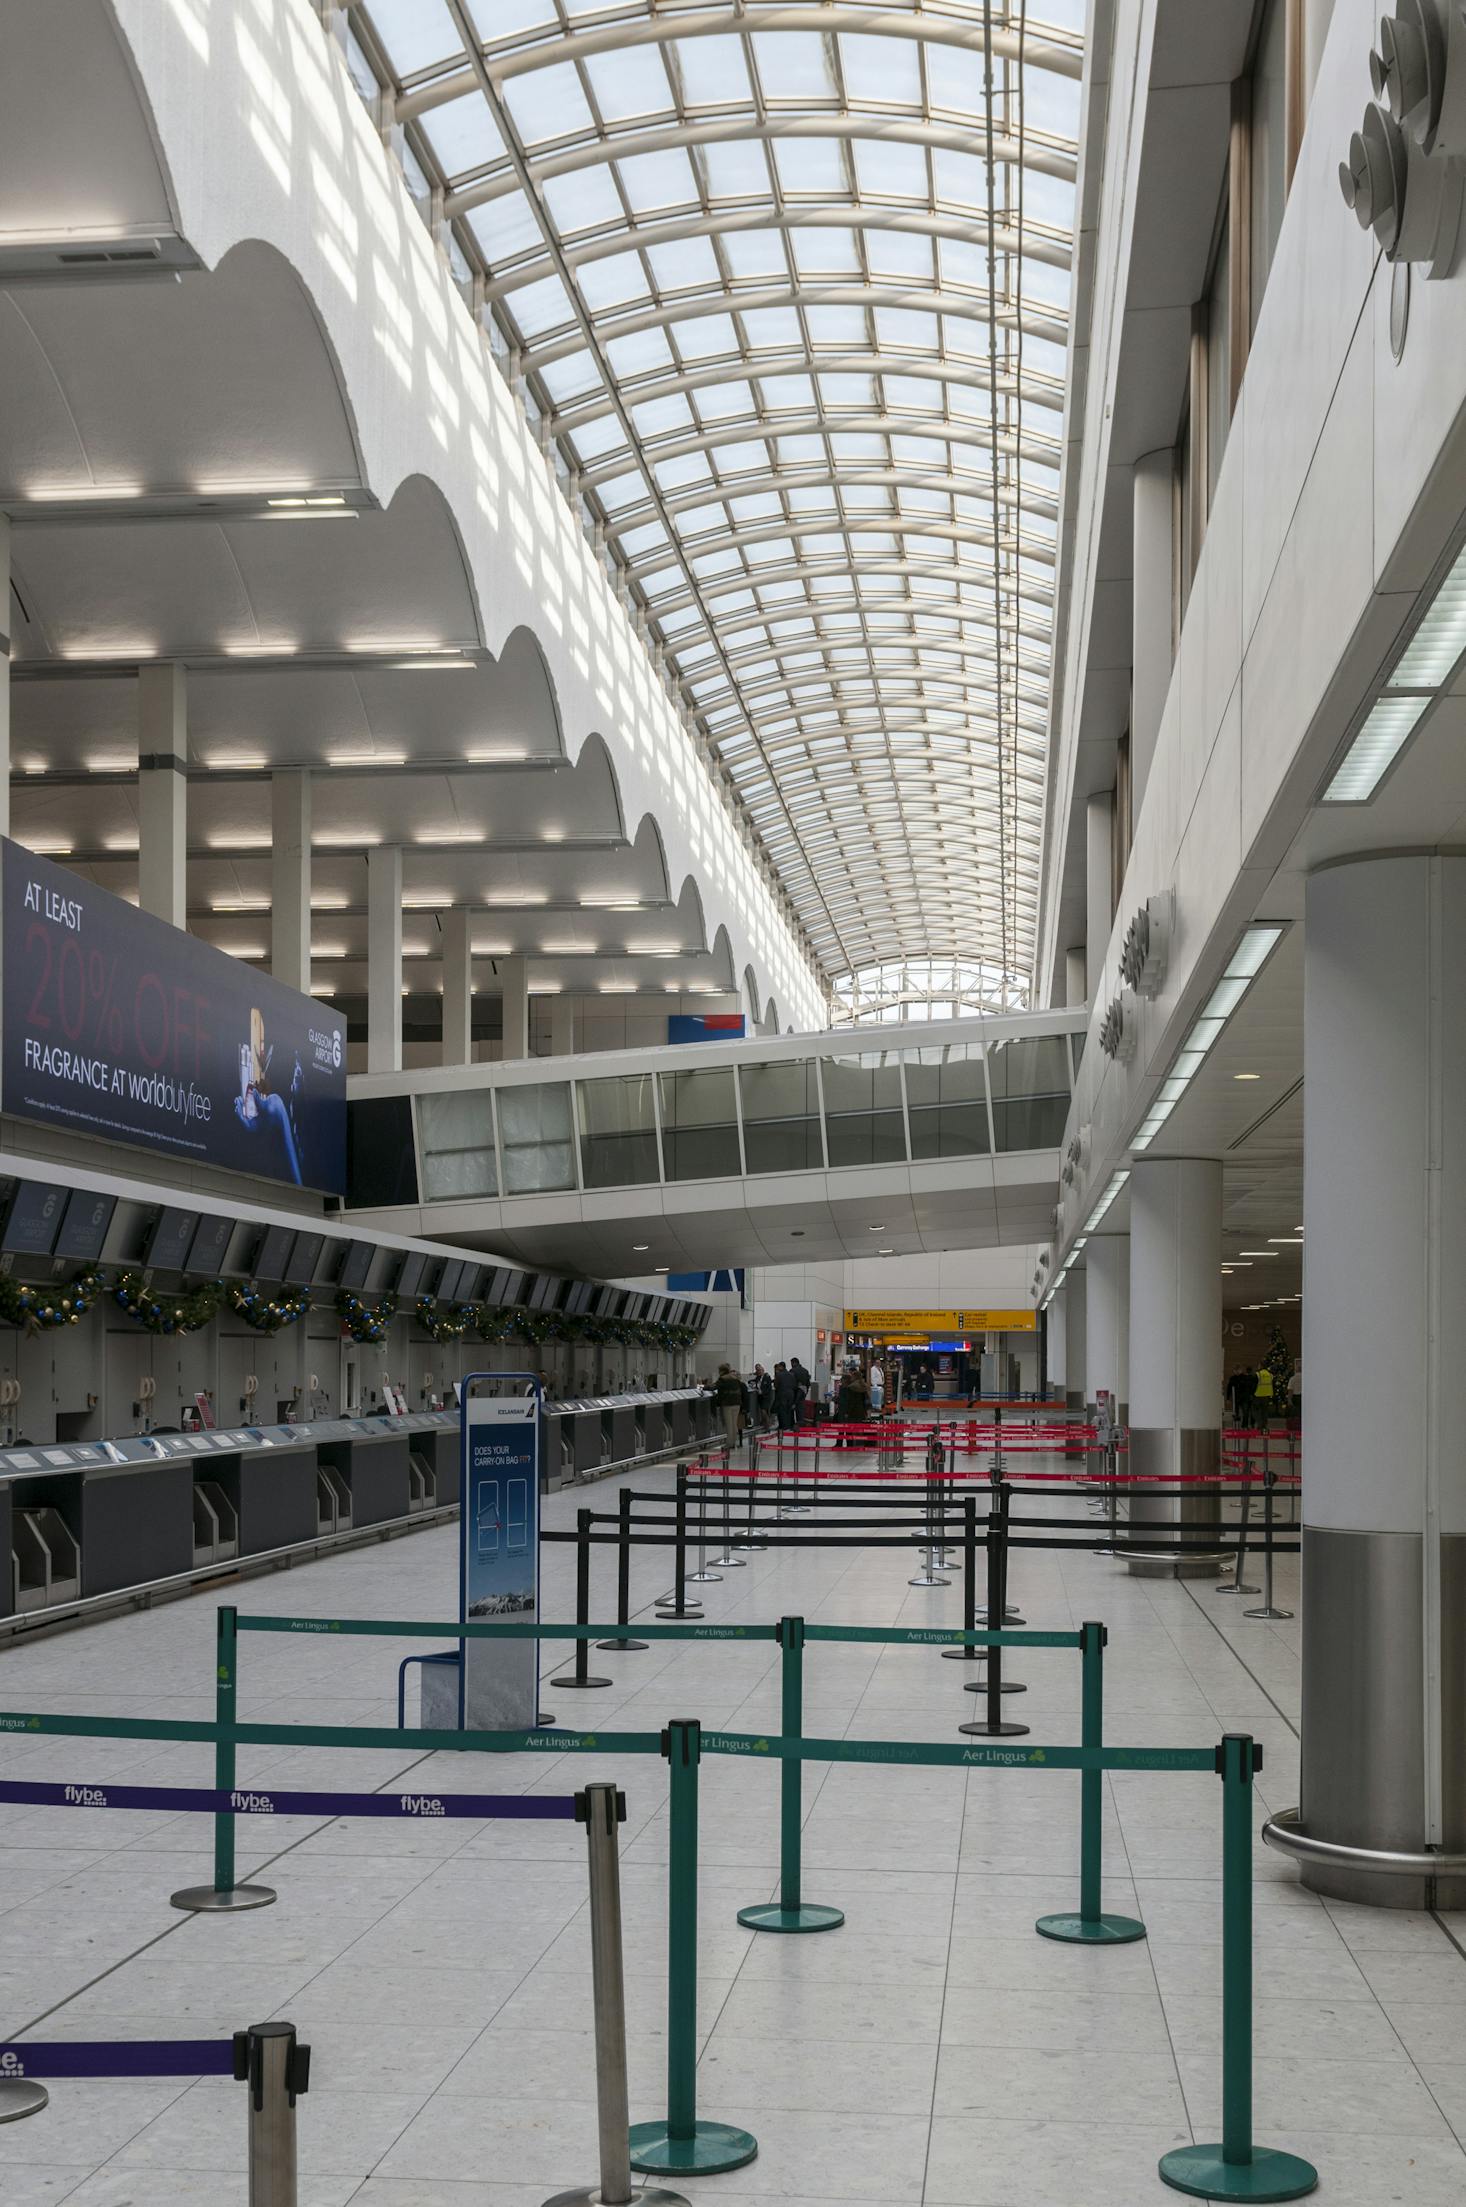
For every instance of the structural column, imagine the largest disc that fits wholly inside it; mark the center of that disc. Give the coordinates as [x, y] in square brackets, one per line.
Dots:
[1099, 866]
[1107, 1321]
[562, 1026]
[290, 879]
[1150, 637]
[457, 987]
[1076, 1339]
[1056, 1344]
[384, 959]
[514, 987]
[1384, 1471]
[162, 783]
[1176, 1340]
[4, 674]
[1075, 987]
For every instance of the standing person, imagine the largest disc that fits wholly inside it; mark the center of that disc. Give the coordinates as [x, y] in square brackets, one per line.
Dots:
[728, 1396]
[877, 1379]
[1264, 1396]
[763, 1396]
[801, 1389]
[1241, 1388]
[1295, 1393]
[784, 1398]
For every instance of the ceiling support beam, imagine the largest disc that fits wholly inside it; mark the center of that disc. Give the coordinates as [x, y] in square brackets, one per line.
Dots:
[384, 959]
[290, 879]
[162, 780]
[457, 987]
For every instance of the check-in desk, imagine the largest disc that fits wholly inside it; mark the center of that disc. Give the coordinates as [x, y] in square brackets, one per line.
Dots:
[364, 1463]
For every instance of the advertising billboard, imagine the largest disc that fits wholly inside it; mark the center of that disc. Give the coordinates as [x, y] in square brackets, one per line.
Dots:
[499, 1557]
[117, 1025]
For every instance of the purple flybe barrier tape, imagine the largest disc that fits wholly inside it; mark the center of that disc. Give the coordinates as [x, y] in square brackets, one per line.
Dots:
[260, 1801]
[143, 2057]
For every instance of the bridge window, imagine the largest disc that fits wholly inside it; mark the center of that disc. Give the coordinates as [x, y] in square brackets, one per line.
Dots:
[700, 1125]
[534, 1128]
[618, 1132]
[1030, 1082]
[456, 1133]
[864, 1121]
[948, 1101]
[781, 1127]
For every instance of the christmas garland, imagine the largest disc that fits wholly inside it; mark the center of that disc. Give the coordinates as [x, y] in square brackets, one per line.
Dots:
[365, 1321]
[265, 1312]
[40, 1309]
[162, 1313]
[444, 1323]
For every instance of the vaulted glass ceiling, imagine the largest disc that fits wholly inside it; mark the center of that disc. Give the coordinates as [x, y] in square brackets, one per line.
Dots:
[786, 288]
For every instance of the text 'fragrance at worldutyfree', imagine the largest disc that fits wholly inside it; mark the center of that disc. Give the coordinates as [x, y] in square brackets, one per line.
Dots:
[117, 1025]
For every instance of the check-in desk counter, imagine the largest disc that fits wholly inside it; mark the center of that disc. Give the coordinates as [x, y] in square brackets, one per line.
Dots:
[700, 1412]
[577, 1442]
[434, 1458]
[363, 1473]
[618, 1431]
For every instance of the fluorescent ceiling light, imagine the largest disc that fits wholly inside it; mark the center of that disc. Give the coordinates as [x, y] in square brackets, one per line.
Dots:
[1257, 1252]
[1242, 968]
[283, 511]
[313, 501]
[1286, 1241]
[59, 493]
[444, 662]
[1116, 1183]
[366, 758]
[1387, 728]
[1247, 1076]
[240, 904]
[256, 647]
[1439, 640]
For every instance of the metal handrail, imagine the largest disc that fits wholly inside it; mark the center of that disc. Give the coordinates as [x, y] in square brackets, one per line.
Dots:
[1282, 1831]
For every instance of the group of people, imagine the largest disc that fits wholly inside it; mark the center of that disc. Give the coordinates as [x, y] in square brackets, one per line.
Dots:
[1255, 1396]
[787, 1397]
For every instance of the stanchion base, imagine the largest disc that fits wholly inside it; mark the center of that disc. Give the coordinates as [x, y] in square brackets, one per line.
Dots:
[1094, 1931]
[572, 1680]
[644, 2195]
[980, 1686]
[964, 1655]
[1235, 1589]
[731, 1563]
[669, 1611]
[808, 1916]
[712, 2148]
[1010, 1618]
[19, 2097]
[927, 1579]
[704, 1578]
[1274, 1616]
[985, 1731]
[622, 1647]
[1269, 2175]
[203, 1900]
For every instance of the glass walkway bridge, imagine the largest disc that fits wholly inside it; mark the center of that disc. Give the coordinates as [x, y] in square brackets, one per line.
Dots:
[777, 1150]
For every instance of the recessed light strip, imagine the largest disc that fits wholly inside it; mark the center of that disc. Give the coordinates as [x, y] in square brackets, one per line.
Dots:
[1246, 962]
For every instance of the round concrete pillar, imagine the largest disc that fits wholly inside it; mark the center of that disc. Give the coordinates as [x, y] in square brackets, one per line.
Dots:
[1176, 1342]
[1384, 1471]
[1107, 1320]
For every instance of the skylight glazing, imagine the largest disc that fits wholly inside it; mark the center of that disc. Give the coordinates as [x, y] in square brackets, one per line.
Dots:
[787, 289]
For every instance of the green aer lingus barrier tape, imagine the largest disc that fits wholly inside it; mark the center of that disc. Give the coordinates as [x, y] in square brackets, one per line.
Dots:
[545, 1742]
[941, 1636]
[760, 1746]
[473, 1628]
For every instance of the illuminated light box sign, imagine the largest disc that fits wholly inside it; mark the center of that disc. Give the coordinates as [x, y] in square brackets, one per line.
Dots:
[941, 1321]
[705, 1026]
[117, 1025]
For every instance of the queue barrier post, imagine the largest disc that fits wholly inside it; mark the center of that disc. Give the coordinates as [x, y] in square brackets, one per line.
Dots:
[1236, 1586]
[620, 1643]
[1269, 1609]
[967, 1654]
[1236, 2168]
[674, 1602]
[580, 1674]
[602, 1810]
[224, 1895]
[992, 1725]
[702, 1576]
[680, 2145]
[727, 1561]
[270, 2059]
[791, 1911]
[1091, 1927]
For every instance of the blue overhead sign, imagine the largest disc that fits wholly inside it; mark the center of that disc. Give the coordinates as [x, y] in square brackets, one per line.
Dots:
[118, 1025]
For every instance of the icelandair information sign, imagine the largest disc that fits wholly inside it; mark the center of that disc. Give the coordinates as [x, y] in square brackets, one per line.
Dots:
[118, 1025]
[941, 1321]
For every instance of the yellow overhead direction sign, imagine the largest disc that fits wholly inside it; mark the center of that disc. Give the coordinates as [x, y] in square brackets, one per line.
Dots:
[941, 1321]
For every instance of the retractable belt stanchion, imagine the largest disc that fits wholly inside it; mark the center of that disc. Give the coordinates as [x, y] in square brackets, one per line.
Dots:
[791, 1912]
[620, 1642]
[702, 1576]
[1268, 1610]
[580, 1675]
[929, 1575]
[224, 1893]
[674, 1603]
[602, 1809]
[992, 1724]
[270, 2059]
[1236, 2168]
[1091, 1927]
[1237, 1586]
[969, 1584]
[727, 1561]
[681, 2145]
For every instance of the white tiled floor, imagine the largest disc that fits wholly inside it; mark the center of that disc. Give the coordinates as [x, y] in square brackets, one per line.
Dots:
[933, 2053]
